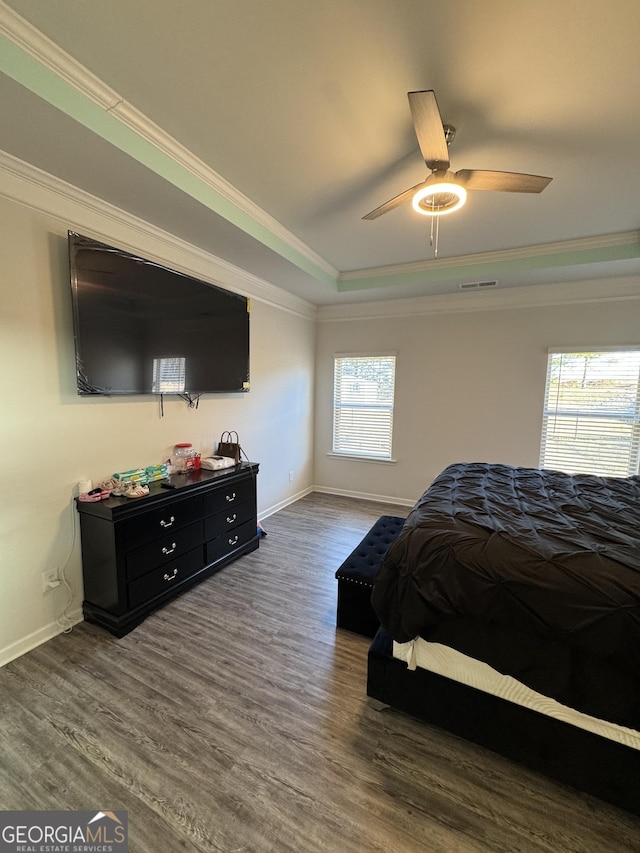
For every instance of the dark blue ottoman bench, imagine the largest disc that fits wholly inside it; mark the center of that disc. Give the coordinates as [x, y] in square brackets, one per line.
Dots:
[355, 577]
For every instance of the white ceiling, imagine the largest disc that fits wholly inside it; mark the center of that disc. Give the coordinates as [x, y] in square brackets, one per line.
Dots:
[262, 131]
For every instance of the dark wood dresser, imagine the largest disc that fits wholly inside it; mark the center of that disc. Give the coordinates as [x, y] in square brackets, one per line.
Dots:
[139, 553]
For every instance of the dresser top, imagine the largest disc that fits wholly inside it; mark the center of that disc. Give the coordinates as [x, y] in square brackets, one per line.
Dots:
[181, 486]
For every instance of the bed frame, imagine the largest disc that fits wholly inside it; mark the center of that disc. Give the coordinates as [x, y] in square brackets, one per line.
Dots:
[581, 759]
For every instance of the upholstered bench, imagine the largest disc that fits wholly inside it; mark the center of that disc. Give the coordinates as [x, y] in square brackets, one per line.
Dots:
[355, 577]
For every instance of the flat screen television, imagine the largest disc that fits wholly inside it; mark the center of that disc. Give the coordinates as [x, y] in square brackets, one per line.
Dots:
[141, 328]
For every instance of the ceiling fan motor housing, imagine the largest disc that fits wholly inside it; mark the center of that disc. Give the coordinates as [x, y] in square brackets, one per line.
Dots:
[441, 194]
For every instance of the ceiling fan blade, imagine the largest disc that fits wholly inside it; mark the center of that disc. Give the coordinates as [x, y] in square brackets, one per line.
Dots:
[394, 202]
[428, 124]
[503, 182]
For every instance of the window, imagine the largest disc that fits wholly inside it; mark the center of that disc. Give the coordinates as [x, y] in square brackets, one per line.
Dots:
[363, 393]
[591, 419]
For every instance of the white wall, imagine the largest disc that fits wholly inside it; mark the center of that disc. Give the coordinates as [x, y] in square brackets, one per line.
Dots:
[469, 385]
[50, 438]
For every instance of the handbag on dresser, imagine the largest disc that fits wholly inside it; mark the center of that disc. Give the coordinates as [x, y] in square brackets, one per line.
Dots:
[228, 447]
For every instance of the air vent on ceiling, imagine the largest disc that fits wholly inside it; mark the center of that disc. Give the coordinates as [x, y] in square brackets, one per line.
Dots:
[477, 285]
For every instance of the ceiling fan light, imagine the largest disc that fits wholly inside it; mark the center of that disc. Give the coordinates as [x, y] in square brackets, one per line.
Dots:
[439, 199]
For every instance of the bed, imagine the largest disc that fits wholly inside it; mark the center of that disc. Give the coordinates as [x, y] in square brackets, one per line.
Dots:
[510, 614]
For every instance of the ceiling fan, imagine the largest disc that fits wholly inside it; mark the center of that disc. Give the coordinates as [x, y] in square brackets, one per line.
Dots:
[444, 191]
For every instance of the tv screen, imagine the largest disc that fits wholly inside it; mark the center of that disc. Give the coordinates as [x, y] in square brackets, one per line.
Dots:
[141, 328]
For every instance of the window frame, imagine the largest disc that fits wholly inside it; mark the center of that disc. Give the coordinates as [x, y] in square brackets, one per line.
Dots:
[341, 449]
[597, 410]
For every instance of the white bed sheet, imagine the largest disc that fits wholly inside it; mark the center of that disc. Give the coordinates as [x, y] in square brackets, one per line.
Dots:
[459, 667]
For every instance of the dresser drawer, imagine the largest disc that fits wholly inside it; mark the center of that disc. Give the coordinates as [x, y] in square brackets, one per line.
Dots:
[165, 549]
[222, 522]
[224, 544]
[229, 496]
[165, 578]
[149, 525]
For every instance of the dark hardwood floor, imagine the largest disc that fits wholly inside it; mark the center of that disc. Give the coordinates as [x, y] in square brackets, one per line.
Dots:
[235, 719]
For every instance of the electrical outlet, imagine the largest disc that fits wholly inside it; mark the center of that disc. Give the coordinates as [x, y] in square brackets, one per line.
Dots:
[291, 476]
[50, 580]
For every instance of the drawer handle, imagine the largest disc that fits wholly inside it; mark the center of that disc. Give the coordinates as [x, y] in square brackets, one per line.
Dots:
[171, 577]
[230, 497]
[232, 518]
[233, 541]
[164, 523]
[170, 550]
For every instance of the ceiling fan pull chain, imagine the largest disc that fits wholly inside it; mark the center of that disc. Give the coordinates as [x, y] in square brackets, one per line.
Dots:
[435, 228]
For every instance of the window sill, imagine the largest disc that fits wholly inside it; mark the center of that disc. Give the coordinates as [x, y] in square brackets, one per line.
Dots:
[357, 457]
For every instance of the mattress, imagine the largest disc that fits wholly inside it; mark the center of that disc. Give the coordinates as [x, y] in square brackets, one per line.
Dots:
[446, 661]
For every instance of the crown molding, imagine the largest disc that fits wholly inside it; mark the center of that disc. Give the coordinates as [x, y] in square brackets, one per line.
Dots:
[156, 136]
[532, 296]
[79, 210]
[76, 209]
[57, 61]
[582, 244]
[29, 39]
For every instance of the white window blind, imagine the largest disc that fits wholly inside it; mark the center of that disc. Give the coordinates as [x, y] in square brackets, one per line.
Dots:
[363, 405]
[591, 419]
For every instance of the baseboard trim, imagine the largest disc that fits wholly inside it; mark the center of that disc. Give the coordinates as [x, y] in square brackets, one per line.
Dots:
[286, 502]
[37, 638]
[360, 496]
[364, 496]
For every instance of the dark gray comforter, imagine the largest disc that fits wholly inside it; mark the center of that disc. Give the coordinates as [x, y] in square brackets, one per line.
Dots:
[535, 572]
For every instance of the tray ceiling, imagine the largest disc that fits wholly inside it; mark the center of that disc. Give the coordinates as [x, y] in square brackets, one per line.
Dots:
[263, 132]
